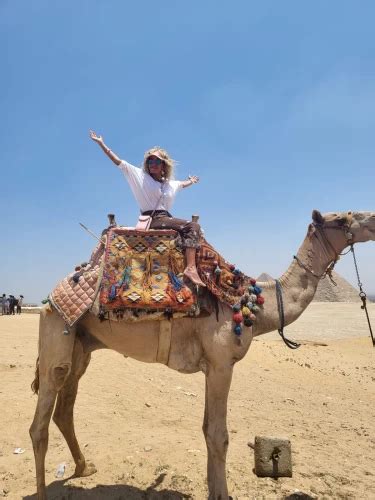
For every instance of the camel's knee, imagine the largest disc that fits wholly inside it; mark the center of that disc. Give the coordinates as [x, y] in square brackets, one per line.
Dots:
[38, 433]
[59, 375]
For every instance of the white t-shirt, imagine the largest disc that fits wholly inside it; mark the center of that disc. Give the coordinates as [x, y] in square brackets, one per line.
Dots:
[150, 194]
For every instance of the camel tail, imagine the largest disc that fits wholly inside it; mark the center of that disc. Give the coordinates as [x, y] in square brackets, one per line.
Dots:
[35, 383]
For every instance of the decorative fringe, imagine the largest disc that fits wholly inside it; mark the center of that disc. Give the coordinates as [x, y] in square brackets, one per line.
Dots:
[244, 311]
[146, 283]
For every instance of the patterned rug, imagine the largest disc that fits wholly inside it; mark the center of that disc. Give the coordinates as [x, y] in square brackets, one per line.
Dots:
[143, 270]
[223, 279]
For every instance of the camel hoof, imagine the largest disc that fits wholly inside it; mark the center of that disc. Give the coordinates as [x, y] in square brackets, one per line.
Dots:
[88, 470]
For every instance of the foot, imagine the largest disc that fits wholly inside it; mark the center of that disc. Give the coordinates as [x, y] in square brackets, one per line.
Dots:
[86, 470]
[193, 276]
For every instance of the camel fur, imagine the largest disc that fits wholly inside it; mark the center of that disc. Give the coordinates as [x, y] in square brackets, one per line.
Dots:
[197, 344]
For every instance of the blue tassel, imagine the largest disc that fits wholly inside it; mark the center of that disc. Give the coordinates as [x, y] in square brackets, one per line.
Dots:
[257, 290]
[176, 283]
[236, 308]
[112, 293]
[125, 278]
[238, 330]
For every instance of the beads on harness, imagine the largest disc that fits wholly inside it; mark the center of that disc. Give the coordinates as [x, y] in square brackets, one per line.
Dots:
[249, 304]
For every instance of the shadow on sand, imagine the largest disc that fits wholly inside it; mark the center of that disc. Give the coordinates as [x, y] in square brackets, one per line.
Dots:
[58, 491]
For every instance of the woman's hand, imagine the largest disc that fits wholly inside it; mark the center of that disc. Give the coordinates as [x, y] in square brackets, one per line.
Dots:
[193, 179]
[96, 138]
[99, 140]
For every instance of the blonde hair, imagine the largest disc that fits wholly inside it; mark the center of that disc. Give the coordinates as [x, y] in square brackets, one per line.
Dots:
[161, 153]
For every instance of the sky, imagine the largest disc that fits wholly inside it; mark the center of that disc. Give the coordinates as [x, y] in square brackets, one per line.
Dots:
[271, 104]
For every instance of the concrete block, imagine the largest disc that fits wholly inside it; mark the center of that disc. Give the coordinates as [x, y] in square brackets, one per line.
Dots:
[272, 456]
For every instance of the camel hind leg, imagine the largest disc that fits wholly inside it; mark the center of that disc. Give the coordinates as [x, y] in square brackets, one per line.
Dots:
[55, 361]
[63, 415]
[39, 434]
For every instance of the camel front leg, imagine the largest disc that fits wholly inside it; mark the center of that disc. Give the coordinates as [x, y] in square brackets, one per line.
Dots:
[218, 382]
[63, 415]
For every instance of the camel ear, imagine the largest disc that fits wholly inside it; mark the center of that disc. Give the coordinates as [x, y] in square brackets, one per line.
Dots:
[317, 217]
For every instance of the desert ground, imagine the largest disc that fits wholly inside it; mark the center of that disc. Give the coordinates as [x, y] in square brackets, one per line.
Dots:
[141, 424]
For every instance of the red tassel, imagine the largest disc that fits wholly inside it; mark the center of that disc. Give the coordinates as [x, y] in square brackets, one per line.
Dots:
[237, 317]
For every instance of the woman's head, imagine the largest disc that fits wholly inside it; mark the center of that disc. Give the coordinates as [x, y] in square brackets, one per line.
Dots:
[157, 157]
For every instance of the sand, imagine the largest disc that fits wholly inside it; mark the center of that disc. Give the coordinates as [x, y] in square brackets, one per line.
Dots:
[141, 424]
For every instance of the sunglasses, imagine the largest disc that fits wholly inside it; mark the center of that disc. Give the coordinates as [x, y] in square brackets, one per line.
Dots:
[154, 161]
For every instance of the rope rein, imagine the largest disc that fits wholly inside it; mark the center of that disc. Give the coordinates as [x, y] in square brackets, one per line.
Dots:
[362, 295]
[280, 307]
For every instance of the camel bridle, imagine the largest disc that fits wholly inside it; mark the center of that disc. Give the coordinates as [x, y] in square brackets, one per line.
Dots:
[326, 244]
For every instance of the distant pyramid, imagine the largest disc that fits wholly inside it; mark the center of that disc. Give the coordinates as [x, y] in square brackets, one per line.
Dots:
[265, 277]
[327, 291]
[343, 292]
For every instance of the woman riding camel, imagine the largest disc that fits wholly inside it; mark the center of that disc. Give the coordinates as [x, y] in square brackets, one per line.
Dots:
[155, 189]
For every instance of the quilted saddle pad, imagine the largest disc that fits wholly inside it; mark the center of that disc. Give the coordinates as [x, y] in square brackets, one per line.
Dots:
[143, 270]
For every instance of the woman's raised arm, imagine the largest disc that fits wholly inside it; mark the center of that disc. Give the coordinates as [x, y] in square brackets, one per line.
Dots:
[99, 140]
[192, 179]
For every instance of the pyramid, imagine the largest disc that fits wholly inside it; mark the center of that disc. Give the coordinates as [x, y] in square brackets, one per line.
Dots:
[327, 291]
[264, 277]
[343, 292]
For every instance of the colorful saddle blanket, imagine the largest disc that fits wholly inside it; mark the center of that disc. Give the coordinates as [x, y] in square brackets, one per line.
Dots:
[144, 269]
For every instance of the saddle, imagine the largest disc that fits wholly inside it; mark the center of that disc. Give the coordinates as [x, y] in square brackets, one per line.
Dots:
[140, 273]
[144, 269]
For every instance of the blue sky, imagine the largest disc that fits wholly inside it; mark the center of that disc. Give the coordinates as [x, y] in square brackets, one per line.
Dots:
[271, 103]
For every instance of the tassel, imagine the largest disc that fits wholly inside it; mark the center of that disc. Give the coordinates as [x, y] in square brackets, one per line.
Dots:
[238, 329]
[176, 283]
[148, 271]
[76, 277]
[237, 317]
[112, 293]
[125, 278]
[246, 311]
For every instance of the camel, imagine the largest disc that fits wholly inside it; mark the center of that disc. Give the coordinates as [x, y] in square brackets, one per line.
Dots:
[197, 344]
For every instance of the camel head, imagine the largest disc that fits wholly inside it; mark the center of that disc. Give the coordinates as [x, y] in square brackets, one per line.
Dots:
[338, 230]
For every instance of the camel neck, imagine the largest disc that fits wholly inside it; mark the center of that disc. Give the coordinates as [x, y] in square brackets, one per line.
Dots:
[299, 284]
